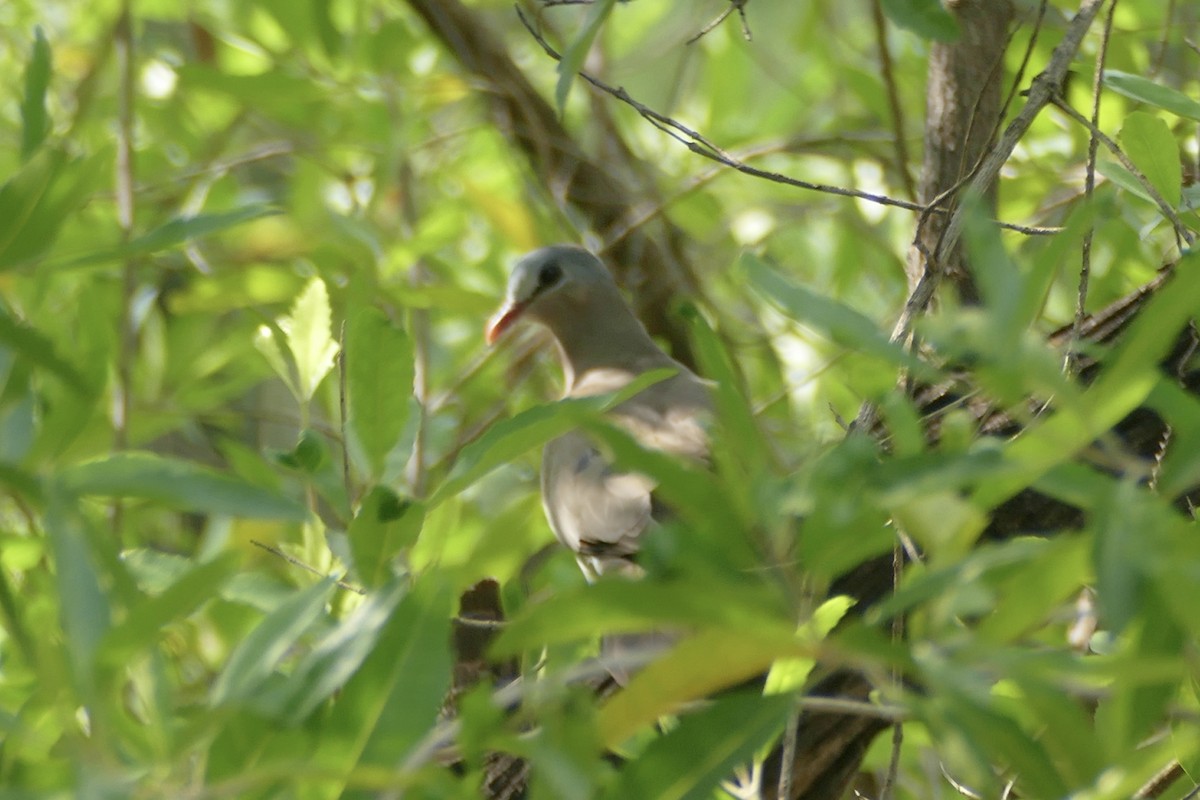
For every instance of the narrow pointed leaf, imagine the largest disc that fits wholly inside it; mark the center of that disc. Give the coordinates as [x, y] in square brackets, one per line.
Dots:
[253, 661]
[34, 122]
[179, 484]
[694, 757]
[1147, 91]
[576, 52]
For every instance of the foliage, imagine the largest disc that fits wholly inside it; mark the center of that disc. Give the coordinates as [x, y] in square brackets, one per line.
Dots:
[284, 348]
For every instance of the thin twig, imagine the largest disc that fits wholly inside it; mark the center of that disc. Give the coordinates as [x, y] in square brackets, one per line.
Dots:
[1161, 782]
[343, 416]
[298, 563]
[893, 96]
[1089, 188]
[1161, 56]
[734, 5]
[705, 148]
[1042, 91]
[127, 340]
[418, 275]
[787, 756]
[893, 771]
[1182, 234]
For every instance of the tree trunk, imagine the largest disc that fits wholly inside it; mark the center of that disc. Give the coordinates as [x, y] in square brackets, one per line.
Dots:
[962, 118]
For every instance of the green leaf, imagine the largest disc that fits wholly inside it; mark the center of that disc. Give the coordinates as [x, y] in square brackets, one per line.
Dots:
[577, 50]
[1133, 709]
[180, 484]
[631, 607]
[86, 617]
[395, 696]
[385, 526]
[142, 624]
[1122, 177]
[379, 383]
[266, 341]
[738, 429]
[42, 194]
[1150, 146]
[338, 655]
[842, 324]
[309, 337]
[171, 234]
[1120, 579]
[1031, 592]
[1126, 379]
[691, 671]
[926, 18]
[992, 736]
[34, 122]
[513, 437]
[789, 674]
[703, 749]
[257, 656]
[1147, 91]
[32, 344]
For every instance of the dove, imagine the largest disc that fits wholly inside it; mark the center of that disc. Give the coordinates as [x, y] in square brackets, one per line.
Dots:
[597, 510]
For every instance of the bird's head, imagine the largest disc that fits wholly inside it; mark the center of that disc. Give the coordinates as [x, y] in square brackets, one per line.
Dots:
[549, 282]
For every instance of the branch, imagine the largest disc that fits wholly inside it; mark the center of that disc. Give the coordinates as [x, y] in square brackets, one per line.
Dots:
[704, 147]
[1089, 186]
[1042, 91]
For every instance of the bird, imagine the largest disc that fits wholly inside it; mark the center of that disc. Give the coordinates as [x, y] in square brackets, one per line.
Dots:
[600, 512]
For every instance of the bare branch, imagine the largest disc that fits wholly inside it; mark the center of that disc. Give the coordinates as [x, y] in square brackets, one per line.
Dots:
[893, 96]
[702, 146]
[1089, 187]
[295, 562]
[734, 5]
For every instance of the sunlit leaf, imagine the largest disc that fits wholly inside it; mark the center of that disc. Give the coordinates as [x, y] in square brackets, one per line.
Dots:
[379, 382]
[267, 343]
[308, 329]
[1151, 147]
[690, 671]
[789, 674]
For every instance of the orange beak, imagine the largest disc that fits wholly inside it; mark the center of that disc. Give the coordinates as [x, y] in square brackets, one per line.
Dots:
[502, 321]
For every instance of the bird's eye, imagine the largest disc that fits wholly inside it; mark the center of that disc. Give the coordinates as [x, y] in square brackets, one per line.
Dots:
[549, 275]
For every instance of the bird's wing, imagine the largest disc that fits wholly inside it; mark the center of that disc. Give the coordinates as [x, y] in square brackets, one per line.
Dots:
[600, 512]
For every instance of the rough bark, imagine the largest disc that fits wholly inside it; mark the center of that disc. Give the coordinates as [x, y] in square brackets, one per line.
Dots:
[652, 267]
[962, 118]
